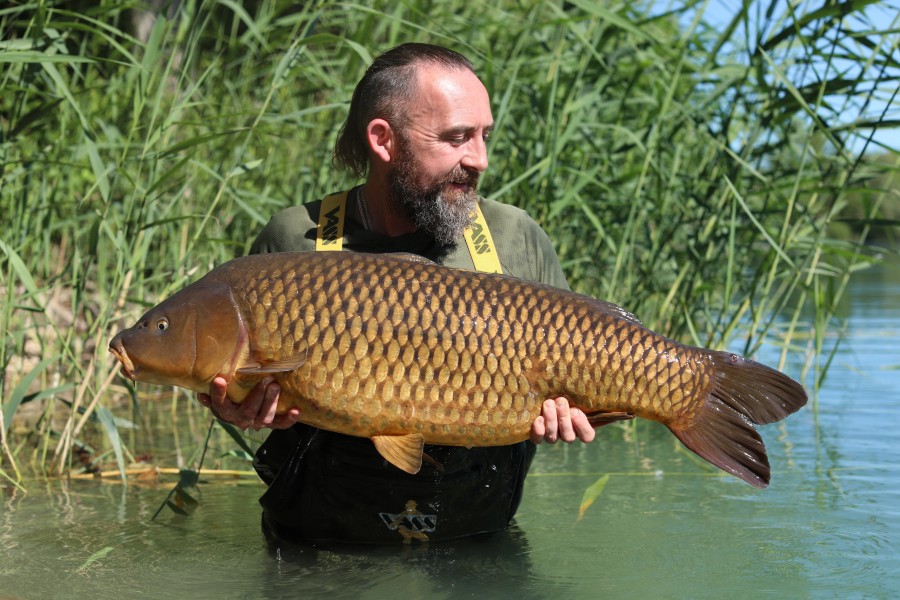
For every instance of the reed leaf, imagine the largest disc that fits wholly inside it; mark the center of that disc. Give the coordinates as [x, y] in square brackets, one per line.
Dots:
[590, 495]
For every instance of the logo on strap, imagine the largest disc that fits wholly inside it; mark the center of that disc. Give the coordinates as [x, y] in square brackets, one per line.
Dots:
[481, 244]
[330, 234]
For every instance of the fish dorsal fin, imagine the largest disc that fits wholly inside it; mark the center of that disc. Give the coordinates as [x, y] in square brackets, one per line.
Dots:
[402, 451]
[285, 365]
[411, 257]
[615, 310]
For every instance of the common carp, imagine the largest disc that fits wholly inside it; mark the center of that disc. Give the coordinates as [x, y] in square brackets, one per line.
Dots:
[404, 351]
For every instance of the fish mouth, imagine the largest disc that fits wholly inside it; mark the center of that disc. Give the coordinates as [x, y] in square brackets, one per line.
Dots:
[118, 350]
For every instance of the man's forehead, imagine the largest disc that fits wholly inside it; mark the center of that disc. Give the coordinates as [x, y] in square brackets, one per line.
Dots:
[456, 96]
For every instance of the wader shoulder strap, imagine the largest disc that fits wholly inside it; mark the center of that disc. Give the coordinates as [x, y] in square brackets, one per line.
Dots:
[330, 233]
[481, 244]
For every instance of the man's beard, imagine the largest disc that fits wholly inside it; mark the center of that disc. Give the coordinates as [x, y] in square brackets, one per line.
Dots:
[443, 212]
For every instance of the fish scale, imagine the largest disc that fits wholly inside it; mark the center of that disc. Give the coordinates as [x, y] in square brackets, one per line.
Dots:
[405, 351]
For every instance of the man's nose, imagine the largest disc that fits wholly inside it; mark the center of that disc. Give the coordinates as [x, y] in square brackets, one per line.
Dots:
[476, 157]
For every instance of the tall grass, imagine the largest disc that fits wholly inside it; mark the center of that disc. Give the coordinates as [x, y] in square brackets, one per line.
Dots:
[688, 170]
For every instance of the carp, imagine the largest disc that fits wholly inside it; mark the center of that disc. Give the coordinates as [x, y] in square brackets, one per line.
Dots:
[405, 352]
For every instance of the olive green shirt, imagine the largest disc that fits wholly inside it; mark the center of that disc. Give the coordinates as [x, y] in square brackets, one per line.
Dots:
[523, 248]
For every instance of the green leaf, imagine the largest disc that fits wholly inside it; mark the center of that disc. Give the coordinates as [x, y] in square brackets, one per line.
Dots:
[591, 494]
[12, 403]
[95, 557]
[828, 10]
[63, 89]
[98, 167]
[196, 141]
[152, 50]
[50, 392]
[600, 10]
[31, 57]
[112, 432]
[243, 168]
[21, 270]
[236, 436]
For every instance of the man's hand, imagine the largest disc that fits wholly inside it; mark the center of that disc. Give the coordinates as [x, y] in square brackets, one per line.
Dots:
[256, 411]
[559, 422]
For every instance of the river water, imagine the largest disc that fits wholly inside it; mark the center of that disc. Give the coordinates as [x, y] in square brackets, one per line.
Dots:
[664, 525]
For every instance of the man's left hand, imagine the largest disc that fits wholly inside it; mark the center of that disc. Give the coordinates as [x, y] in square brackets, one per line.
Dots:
[256, 411]
[560, 422]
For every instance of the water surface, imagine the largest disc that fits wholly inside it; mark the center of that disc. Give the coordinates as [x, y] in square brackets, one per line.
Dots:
[665, 525]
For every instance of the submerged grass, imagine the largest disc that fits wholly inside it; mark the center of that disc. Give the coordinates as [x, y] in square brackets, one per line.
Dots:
[694, 170]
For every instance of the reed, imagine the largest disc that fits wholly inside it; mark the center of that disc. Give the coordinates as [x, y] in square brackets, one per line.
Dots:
[691, 171]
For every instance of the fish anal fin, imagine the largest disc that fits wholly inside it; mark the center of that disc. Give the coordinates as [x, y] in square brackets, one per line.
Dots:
[402, 451]
[599, 419]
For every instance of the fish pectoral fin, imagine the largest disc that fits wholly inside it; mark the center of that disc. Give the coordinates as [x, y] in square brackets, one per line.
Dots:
[276, 366]
[599, 419]
[402, 451]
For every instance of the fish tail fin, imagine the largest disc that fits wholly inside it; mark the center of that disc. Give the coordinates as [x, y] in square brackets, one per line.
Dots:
[745, 393]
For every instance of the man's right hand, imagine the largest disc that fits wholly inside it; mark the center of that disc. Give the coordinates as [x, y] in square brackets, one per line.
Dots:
[256, 411]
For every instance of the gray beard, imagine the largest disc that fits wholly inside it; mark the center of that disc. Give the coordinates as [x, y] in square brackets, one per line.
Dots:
[445, 219]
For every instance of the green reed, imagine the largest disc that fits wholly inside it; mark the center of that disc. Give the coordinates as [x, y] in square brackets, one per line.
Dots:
[694, 173]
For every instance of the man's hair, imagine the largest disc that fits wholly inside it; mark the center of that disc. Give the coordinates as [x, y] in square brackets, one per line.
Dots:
[383, 93]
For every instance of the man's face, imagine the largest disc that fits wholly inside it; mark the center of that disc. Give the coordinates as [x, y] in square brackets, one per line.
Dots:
[440, 153]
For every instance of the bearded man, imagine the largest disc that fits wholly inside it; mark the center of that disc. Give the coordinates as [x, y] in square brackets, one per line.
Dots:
[417, 130]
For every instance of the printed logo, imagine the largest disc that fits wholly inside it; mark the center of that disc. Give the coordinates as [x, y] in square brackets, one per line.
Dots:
[330, 231]
[479, 240]
[411, 523]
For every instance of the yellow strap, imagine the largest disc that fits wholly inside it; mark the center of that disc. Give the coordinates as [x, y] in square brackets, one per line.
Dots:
[481, 244]
[330, 233]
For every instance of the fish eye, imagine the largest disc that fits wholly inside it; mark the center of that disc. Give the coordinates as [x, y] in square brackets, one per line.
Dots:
[162, 324]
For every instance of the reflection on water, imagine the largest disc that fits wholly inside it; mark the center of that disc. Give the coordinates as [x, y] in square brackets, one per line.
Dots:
[664, 526]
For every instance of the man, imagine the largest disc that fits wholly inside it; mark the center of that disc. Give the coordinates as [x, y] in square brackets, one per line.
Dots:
[417, 128]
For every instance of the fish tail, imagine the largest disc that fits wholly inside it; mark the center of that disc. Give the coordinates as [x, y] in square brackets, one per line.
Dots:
[745, 393]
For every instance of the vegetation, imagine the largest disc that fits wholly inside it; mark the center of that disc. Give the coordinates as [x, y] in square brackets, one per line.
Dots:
[689, 166]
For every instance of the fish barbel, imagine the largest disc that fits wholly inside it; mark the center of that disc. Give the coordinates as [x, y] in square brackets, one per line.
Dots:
[404, 351]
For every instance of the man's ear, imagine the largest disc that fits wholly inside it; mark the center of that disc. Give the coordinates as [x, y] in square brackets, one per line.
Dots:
[381, 139]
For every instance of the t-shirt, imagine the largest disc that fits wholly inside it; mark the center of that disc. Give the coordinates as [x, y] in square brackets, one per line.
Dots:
[326, 487]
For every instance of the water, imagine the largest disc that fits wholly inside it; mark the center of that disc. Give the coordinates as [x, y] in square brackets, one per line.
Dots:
[664, 525]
